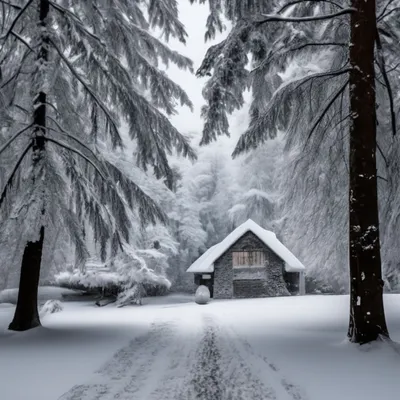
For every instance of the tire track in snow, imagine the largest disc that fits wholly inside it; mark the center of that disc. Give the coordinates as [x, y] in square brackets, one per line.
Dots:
[221, 373]
[268, 370]
[126, 372]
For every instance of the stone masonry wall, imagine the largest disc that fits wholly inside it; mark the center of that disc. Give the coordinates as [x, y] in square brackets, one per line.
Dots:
[265, 283]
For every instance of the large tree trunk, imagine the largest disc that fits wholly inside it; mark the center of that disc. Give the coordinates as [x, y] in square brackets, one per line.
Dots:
[26, 314]
[367, 317]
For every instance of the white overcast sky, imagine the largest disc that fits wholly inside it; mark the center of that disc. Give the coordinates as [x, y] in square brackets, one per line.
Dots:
[194, 17]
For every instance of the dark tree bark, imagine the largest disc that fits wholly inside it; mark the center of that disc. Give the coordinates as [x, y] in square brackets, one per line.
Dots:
[367, 317]
[26, 313]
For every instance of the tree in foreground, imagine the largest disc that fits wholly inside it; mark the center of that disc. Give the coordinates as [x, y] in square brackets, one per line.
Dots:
[71, 73]
[273, 40]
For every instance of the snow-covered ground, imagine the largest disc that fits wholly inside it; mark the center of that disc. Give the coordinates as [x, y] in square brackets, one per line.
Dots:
[173, 349]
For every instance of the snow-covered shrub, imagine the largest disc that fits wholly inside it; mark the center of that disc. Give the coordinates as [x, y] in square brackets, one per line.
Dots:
[127, 276]
[137, 275]
[51, 307]
[44, 293]
[202, 295]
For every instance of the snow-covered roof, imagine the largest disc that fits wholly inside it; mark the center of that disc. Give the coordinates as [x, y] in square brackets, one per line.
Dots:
[205, 263]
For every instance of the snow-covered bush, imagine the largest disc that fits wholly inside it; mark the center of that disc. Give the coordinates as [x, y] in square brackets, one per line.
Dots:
[202, 295]
[45, 293]
[51, 307]
[127, 276]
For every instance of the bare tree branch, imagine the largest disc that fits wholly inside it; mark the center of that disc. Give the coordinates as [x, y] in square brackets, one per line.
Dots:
[383, 155]
[389, 13]
[382, 67]
[382, 14]
[278, 18]
[11, 177]
[4, 147]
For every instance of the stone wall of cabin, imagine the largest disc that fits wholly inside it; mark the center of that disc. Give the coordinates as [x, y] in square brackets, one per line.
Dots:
[249, 282]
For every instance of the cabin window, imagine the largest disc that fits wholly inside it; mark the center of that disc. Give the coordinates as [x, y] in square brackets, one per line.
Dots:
[248, 259]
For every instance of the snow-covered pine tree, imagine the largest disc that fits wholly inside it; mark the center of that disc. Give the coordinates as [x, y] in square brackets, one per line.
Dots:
[71, 72]
[273, 39]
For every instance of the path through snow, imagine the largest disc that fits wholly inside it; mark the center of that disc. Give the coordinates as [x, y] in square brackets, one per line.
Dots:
[206, 361]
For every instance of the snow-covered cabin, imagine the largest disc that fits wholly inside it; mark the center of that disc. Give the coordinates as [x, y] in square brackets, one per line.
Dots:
[249, 262]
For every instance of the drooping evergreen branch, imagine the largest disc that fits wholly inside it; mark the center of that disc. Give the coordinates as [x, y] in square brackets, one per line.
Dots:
[61, 131]
[103, 107]
[22, 40]
[15, 6]
[14, 171]
[79, 153]
[19, 133]
[278, 18]
[382, 67]
[256, 132]
[294, 49]
[17, 72]
[14, 22]
[293, 3]
[76, 19]
[329, 104]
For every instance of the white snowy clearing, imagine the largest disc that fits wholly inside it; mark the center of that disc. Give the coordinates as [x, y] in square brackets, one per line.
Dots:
[173, 349]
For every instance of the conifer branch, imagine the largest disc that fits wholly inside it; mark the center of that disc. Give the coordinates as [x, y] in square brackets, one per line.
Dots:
[8, 143]
[11, 177]
[293, 3]
[19, 15]
[89, 91]
[382, 67]
[15, 6]
[294, 49]
[325, 110]
[69, 148]
[76, 19]
[22, 40]
[72, 137]
[278, 18]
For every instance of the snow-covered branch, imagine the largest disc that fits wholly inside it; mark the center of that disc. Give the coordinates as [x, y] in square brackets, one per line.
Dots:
[5, 146]
[86, 87]
[22, 40]
[278, 18]
[15, 6]
[293, 3]
[324, 111]
[79, 153]
[63, 132]
[15, 20]
[294, 49]
[14, 171]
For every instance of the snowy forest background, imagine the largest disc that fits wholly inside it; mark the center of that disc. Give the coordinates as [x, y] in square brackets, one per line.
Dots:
[300, 193]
